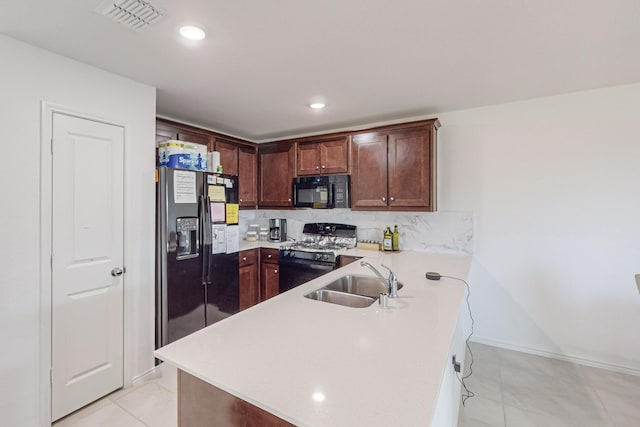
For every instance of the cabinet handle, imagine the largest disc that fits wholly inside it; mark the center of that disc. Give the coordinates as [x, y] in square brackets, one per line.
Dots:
[275, 271]
[317, 167]
[241, 200]
[323, 166]
[244, 258]
[289, 200]
[391, 198]
[384, 199]
[269, 256]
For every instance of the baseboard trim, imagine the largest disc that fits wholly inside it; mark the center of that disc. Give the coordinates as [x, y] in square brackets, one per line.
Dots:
[552, 355]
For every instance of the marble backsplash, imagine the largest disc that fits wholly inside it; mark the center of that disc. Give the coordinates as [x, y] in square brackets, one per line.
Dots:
[450, 232]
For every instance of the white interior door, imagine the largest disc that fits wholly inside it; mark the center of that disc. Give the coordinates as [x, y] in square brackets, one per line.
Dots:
[87, 261]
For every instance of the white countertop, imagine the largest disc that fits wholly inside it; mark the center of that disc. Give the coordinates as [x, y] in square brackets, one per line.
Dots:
[374, 366]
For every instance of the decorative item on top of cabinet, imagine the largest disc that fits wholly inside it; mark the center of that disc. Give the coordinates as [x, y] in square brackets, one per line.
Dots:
[269, 273]
[277, 165]
[394, 168]
[249, 278]
[242, 160]
[324, 156]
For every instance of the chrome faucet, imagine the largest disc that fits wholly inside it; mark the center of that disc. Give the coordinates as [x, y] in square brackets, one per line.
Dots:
[391, 282]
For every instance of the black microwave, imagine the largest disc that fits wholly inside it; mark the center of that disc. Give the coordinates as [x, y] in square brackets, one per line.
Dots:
[321, 192]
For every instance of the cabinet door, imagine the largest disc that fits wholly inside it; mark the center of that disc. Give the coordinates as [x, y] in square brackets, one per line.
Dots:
[197, 138]
[369, 171]
[248, 177]
[308, 159]
[410, 169]
[249, 285]
[276, 169]
[228, 156]
[334, 156]
[269, 280]
[165, 132]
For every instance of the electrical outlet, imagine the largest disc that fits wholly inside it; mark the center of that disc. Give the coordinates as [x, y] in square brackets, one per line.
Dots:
[456, 364]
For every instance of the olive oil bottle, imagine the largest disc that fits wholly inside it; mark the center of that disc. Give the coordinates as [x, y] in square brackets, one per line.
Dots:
[395, 239]
[387, 241]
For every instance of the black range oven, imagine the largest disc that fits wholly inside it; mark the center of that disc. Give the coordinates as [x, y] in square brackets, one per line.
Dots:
[315, 254]
[299, 266]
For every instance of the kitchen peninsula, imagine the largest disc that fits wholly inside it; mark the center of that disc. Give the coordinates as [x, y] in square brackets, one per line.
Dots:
[293, 360]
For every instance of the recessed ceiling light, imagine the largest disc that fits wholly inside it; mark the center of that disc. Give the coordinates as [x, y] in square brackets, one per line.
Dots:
[192, 33]
[317, 105]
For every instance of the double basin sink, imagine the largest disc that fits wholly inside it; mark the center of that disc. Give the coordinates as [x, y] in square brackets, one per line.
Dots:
[351, 291]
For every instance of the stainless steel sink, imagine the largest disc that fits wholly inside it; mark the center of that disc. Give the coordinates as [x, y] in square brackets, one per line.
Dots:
[340, 298]
[351, 291]
[359, 285]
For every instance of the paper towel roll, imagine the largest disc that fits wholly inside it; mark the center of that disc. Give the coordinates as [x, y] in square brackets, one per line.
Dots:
[213, 160]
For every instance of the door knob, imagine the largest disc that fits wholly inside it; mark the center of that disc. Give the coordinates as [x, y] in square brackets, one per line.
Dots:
[116, 272]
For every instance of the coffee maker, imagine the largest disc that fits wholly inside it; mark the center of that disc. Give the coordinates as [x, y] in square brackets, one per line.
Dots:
[278, 230]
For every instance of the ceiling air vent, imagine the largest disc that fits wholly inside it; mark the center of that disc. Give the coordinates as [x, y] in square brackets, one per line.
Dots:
[135, 14]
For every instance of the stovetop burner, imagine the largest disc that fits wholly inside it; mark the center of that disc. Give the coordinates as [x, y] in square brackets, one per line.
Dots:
[323, 240]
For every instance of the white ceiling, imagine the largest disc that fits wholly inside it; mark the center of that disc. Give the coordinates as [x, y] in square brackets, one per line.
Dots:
[263, 62]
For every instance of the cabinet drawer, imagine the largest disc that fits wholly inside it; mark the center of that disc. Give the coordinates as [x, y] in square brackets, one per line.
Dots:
[269, 255]
[248, 257]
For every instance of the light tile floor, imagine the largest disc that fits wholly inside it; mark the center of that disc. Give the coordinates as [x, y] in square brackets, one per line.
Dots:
[516, 389]
[512, 390]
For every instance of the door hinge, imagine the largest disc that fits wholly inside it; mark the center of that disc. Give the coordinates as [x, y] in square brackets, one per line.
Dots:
[51, 377]
[51, 262]
[51, 145]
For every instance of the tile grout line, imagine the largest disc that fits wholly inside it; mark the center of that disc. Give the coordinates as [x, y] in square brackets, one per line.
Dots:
[128, 412]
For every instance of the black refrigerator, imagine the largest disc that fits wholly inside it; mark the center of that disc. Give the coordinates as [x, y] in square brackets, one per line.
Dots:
[197, 280]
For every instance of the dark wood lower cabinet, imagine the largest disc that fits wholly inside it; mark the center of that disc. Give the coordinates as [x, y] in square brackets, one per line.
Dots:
[202, 404]
[269, 273]
[249, 278]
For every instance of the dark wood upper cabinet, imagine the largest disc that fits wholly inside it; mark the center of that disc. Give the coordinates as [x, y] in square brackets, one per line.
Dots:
[237, 157]
[394, 168]
[228, 156]
[324, 157]
[369, 171]
[248, 176]
[241, 160]
[195, 137]
[276, 171]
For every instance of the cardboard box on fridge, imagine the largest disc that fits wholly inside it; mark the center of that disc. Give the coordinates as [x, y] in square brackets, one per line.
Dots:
[183, 155]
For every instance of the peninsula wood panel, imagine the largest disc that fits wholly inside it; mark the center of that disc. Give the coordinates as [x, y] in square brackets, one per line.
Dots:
[201, 404]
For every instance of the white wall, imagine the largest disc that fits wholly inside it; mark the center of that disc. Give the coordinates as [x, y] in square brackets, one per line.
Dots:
[28, 76]
[554, 184]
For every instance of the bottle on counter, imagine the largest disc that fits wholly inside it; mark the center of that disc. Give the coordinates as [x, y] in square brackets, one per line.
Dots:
[395, 239]
[387, 241]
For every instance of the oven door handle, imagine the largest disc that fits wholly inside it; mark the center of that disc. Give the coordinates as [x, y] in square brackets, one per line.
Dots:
[306, 263]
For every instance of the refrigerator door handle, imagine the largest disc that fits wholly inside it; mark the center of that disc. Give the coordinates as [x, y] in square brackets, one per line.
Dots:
[207, 231]
[202, 213]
